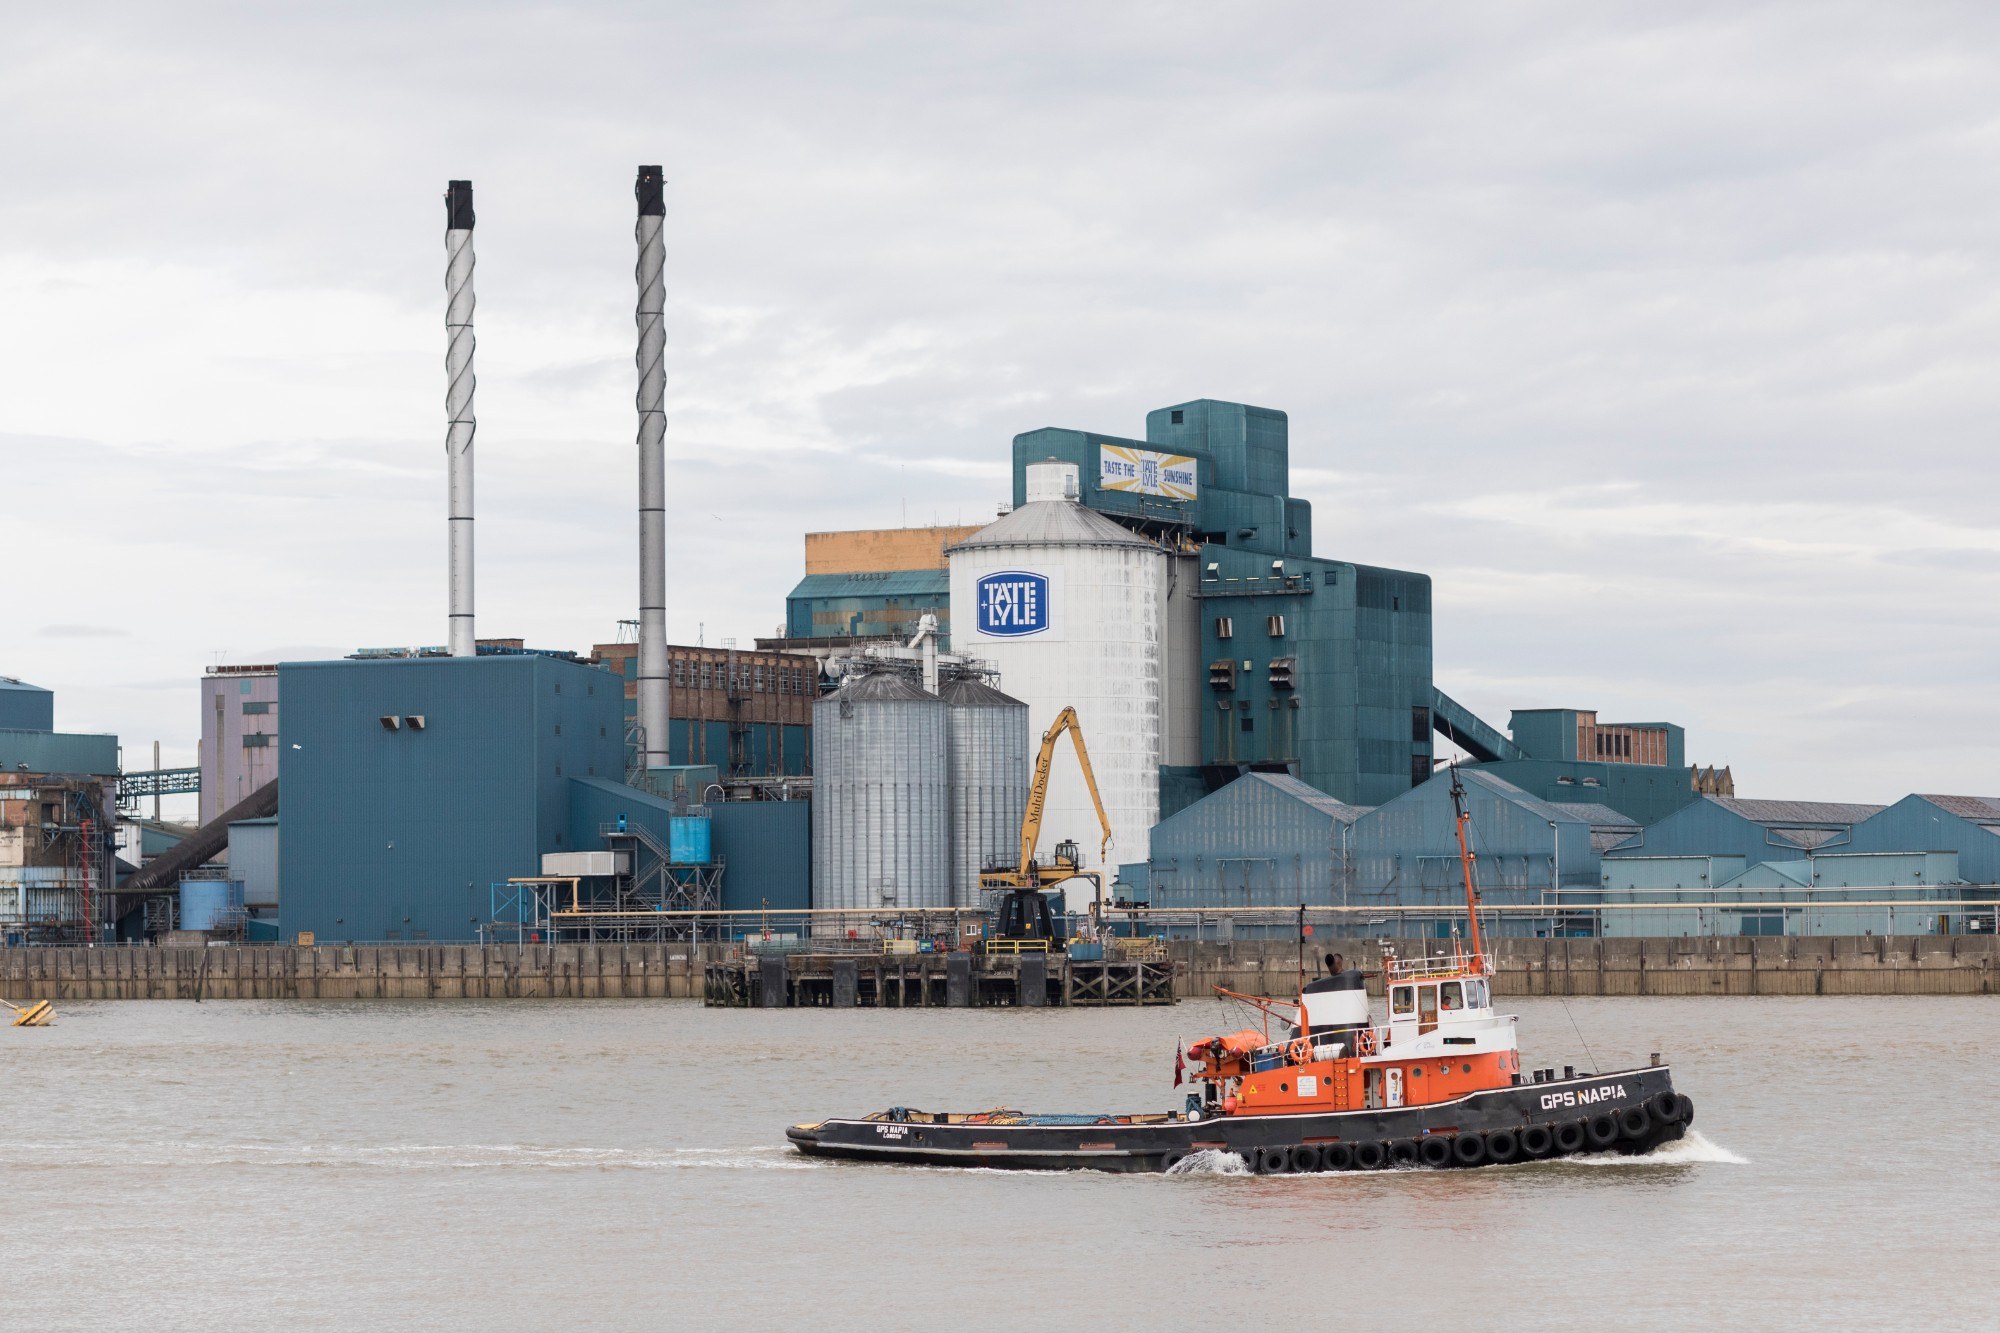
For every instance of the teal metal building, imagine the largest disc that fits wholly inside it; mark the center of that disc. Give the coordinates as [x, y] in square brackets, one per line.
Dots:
[1315, 667]
[764, 847]
[865, 605]
[1966, 825]
[1547, 756]
[1265, 840]
[1722, 828]
[413, 785]
[25, 707]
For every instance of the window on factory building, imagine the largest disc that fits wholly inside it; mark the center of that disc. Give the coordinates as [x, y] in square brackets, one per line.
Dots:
[256, 742]
[1276, 626]
[243, 687]
[1420, 724]
[1249, 723]
[1395, 603]
[1332, 578]
[256, 708]
[760, 680]
[1178, 414]
[1225, 627]
[706, 678]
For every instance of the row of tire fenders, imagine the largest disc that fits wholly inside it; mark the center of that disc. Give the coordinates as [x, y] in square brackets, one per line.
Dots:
[1602, 1132]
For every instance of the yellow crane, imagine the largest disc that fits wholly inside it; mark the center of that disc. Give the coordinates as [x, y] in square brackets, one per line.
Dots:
[1024, 913]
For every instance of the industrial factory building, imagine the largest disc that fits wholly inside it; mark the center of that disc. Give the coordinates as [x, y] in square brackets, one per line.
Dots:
[1270, 841]
[872, 584]
[1755, 831]
[1260, 722]
[57, 823]
[748, 713]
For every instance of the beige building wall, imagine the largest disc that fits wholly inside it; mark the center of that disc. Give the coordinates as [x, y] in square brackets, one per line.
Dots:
[879, 550]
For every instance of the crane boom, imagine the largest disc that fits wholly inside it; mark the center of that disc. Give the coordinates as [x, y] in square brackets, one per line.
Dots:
[1038, 792]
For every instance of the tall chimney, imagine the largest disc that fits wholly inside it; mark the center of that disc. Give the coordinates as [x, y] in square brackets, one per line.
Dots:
[652, 361]
[458, 409]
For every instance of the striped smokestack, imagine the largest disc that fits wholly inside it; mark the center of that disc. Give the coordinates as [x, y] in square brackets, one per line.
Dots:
[458, 410]
[652, 397]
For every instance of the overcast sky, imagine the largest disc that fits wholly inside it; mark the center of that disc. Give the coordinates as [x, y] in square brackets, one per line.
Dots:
[1662, 337]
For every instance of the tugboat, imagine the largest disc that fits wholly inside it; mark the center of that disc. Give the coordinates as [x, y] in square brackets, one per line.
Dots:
[1439, 1084]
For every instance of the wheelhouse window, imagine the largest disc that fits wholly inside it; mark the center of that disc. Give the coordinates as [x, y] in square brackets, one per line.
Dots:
[1403, 1000]
[1451, 996]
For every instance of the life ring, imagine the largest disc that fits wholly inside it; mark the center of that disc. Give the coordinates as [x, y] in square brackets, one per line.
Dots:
[1665, 1107]
[1469, 1149]
[1365, 1042]
[1634, 1122]
[1569, 1136]
[1436, 1150]
[1601, 1129]
[1536, 1141]
[1502, 1147]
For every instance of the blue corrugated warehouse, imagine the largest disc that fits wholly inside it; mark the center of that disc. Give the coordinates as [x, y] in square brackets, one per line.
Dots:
[1265, 840]
[412, 785]
[1756, 831]
[1967, 825]
[1527, 849]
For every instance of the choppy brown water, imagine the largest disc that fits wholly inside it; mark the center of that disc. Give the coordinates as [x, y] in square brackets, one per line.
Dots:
[620, 1164]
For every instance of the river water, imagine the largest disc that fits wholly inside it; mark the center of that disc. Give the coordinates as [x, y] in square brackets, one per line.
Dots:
[621, 1164]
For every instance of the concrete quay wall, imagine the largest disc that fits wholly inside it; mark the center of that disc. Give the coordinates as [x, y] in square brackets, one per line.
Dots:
[353, 972]
[1724, 965]
[1865, 965]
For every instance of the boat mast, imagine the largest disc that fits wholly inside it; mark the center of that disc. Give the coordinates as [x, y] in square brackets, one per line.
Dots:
[1464, 817]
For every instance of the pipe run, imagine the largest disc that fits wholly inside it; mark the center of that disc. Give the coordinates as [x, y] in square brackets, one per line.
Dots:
[460, 423]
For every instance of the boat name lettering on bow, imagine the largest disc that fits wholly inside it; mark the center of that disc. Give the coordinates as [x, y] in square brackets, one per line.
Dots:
[1582, 1096]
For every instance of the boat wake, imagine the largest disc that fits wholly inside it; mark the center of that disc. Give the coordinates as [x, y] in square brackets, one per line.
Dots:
[409, 1157]
[1693, 1148]
[1210, 1162]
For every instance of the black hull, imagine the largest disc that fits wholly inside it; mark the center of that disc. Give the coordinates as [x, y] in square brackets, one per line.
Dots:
[1632, 1111]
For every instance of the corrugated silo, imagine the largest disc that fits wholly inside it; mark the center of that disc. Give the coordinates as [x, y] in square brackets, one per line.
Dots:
[987, 743]
[881, 821]
[1067, 604]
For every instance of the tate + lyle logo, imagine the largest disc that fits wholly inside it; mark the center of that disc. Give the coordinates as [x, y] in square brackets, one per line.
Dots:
[1013, 603]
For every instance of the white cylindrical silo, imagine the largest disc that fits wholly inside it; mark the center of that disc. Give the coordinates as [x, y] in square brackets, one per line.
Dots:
[1067, 604]
[986, 739]
[881, 832]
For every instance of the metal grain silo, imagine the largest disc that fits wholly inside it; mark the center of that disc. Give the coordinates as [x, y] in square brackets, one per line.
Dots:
[986, 738]
[881, 832]
[1068, 606]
